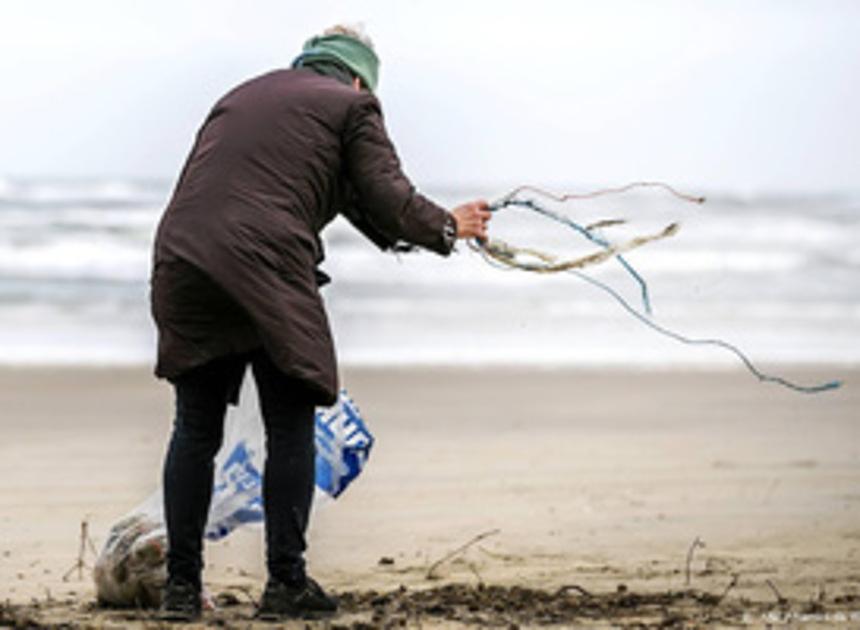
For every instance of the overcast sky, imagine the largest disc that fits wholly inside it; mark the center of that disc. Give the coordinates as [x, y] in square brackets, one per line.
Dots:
[743, 95]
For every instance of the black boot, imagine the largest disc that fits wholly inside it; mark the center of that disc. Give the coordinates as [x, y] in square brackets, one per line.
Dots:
[180, 602]
[305, 599]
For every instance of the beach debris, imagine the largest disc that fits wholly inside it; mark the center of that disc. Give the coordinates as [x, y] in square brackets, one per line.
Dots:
[475, 606]
[431, 572]
[573, 587]
[131, 568]
[226, 599]
[729, 587]
[490, 605]
[499, 253]
[245, 590]
[782, 601]
[527, 259]
[590, 232]
[86, 543]
[697, 543]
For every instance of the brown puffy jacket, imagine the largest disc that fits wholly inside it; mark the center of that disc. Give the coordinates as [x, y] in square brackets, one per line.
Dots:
[236, 251]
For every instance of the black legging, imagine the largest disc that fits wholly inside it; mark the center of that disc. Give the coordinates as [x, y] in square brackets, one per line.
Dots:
[202, 396]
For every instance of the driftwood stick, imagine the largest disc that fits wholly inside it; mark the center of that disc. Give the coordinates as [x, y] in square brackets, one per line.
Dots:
[779, 598]
[431, 572]
[85, 543]
[729, 587]
[698, 542]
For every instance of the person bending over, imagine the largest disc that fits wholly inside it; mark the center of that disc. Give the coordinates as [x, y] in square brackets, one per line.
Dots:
[235, 283]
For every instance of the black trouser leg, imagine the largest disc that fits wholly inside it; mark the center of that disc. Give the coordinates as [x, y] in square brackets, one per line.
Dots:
[288, 477]
[201, 402]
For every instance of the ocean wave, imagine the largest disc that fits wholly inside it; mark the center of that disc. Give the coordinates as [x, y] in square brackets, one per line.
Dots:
[778, 276]
[75, 258]
[61, 191]
[84, 219]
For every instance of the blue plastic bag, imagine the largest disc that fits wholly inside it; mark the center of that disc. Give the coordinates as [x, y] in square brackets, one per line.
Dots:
[343, 445]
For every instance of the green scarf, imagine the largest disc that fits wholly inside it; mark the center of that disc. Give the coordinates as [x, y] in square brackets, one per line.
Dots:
[359, 58]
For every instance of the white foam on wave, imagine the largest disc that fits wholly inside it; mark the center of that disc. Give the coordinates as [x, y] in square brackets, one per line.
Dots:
[768, 230]
[90, 257]
[51, 223]
[53, 191]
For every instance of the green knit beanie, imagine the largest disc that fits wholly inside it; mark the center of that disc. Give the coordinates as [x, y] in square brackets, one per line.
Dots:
[354, 54]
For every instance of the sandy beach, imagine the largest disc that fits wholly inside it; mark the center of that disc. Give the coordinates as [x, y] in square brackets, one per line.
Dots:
[598, 480]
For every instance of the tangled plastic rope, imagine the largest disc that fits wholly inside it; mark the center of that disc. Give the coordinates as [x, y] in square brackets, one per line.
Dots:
[509, 256]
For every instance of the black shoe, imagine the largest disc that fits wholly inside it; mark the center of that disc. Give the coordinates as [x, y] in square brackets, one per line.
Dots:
[180, 602]
[305, 599]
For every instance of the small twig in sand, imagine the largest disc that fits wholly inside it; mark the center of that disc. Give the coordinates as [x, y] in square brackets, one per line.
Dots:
[85, 543]
[573, 587]
[698, 542]
[779, 598]
[431, 572]
[729, 586]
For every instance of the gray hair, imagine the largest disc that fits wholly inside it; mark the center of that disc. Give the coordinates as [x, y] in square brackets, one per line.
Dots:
[356, 31]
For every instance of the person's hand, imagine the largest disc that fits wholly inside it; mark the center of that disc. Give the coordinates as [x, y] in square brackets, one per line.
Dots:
[472, 219]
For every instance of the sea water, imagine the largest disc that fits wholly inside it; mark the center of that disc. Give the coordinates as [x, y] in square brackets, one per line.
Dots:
[778, 276]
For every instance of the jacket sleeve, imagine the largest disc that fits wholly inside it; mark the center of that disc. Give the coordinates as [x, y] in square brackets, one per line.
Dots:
[386, 207]
[349, 208]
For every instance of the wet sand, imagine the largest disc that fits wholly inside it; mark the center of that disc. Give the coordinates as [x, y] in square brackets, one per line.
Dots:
[597, 479]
